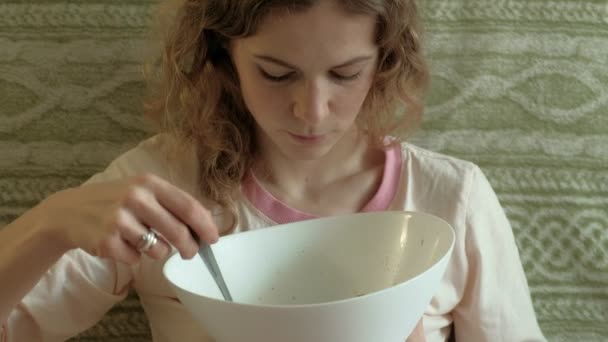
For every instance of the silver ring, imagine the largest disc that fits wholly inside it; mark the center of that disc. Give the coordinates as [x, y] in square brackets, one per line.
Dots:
[147, 241]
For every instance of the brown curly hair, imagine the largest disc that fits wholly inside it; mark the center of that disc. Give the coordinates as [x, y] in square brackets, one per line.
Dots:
[197, 97]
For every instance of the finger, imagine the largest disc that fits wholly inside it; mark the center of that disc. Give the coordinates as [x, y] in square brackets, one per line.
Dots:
[158, 250]
[145, 208]
[132, 231]
[186, 209]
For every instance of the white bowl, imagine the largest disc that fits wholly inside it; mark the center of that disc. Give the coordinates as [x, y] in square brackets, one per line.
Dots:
[358, 278]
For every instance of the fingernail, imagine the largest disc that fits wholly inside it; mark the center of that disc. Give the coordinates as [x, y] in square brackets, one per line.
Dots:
[188, 256]
[215, 236]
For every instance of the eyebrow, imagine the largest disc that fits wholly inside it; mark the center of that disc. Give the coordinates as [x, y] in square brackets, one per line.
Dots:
[290, 66]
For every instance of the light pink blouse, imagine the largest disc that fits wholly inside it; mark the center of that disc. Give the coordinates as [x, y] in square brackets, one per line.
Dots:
[484, 292]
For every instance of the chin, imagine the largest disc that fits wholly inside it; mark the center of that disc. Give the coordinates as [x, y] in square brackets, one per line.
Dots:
[298, 150]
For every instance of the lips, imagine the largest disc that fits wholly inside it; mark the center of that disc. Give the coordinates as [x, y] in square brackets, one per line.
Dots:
[307, 139]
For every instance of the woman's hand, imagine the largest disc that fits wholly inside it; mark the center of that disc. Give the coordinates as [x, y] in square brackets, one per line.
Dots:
[418, 334]
[109, 219]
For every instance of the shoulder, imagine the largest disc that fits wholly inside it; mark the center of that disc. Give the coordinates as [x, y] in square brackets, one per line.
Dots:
[448, 184]
[158, 156]
[439, 184]
[434, 166]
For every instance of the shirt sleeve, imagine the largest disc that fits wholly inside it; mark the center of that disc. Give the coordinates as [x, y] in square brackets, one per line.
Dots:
[71, 296]
[496, 305]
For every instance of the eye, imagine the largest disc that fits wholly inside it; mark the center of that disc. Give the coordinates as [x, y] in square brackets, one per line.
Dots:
[342, 77]
[275, 78]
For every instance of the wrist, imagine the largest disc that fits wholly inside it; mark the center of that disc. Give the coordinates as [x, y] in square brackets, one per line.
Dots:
[44, 233]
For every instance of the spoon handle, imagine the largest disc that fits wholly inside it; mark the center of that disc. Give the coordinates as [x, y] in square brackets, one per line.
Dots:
[206, 253]
[208, 257]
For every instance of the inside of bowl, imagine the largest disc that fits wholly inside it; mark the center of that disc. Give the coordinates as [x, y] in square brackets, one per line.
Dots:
[320, 261]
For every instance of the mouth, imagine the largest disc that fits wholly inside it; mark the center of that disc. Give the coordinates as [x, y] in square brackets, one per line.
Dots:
[307, 139]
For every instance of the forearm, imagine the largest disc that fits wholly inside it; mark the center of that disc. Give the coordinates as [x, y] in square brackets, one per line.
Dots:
[26, 253]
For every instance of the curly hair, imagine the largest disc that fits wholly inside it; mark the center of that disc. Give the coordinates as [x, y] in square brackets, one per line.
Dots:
[197, 97]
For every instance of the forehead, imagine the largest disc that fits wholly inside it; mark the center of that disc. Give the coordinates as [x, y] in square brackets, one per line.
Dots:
[323, 31]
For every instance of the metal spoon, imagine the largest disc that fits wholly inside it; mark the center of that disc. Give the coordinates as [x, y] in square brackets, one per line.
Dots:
[208, 257]
[206, 253]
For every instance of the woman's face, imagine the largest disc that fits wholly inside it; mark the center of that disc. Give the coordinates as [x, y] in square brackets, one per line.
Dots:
[304, 77]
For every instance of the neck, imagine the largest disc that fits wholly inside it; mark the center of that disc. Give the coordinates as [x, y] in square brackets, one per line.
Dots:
[308, 178]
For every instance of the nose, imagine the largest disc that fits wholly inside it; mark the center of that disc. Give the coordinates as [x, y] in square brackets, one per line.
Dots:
[311, 103]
